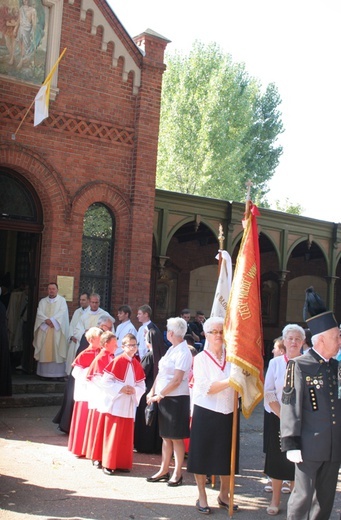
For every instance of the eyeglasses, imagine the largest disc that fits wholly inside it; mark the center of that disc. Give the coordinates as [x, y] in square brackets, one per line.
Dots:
[134, 345]
[215, 332]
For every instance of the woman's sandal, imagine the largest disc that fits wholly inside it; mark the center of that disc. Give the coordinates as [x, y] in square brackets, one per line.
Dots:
[227, 506]
[272, 510]
[286, 487]
[204, 510]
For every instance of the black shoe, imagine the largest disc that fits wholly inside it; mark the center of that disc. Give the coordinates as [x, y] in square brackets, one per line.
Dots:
[176, 483]
[108, 471]
[226, 506]
[97, 464]
[204, 510]
[161, 478]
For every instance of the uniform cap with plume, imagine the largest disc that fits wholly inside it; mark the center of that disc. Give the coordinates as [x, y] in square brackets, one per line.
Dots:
[313, 304]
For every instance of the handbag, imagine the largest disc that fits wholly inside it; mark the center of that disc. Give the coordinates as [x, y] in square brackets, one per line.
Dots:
[149, 413]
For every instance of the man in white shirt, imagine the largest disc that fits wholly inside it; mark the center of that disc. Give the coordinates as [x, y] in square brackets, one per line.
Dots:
[143, 315]
[90, 317]
[51, 332]
[125, 326]
[73, 341]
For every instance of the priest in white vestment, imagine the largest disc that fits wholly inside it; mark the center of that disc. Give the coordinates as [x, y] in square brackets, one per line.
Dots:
[73, 343]
[91, 317]
[51, 332]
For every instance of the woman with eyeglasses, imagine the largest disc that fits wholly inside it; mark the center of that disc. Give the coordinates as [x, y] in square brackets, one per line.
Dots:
[277, 466]
[171, 391]
[211, 430]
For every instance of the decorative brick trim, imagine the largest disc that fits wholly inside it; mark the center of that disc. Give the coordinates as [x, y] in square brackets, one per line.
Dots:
[90, 129]
[99, 191]
[109, 35]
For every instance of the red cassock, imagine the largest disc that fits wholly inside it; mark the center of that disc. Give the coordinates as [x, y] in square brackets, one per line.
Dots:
[80, 410]
[120, 409]
[93, 436]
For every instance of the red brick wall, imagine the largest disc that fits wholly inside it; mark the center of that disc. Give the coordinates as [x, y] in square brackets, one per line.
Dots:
[98, 145]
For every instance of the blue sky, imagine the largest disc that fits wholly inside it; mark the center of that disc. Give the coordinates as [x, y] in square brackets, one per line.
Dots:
[294, 44]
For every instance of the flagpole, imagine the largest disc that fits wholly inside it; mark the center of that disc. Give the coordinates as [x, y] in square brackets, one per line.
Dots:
[47, 79]
[235, 395]
[221, 239]
[23, 119]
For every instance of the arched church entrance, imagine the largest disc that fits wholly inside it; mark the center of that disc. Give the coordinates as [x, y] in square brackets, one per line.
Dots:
[21, 225]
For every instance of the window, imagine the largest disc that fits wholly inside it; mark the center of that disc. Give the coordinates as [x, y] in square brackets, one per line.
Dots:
[97, 252]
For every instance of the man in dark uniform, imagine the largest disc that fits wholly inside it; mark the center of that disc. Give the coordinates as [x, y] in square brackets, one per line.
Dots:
[311, 422]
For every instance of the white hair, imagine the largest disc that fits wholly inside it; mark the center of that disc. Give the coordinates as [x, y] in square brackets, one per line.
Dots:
[295, 328]
[93, 332]
[214, 320]
[178, 326]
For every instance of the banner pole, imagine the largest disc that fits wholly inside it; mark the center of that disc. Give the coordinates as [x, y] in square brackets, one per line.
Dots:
[235, 395]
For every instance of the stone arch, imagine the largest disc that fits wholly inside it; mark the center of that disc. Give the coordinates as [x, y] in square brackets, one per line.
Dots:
[263, 237]
[182, 223]
[317, 246]
[296, 295]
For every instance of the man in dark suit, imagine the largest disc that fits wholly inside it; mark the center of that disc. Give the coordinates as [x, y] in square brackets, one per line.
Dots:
[311, 421]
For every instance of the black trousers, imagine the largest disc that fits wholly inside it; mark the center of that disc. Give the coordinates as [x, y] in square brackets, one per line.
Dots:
[314, 492]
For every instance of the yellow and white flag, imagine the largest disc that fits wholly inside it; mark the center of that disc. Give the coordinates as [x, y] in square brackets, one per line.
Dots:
[41, 101]
[223, 288]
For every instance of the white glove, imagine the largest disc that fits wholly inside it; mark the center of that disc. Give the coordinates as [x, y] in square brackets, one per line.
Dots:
[294, 456]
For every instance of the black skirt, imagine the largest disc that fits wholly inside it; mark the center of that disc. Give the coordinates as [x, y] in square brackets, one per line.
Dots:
[174, 417]
[211, 443]
[276, 463]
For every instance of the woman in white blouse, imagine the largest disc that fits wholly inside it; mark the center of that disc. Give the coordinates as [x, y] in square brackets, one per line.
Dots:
[170, 390]
[211, 430]
[277, 466]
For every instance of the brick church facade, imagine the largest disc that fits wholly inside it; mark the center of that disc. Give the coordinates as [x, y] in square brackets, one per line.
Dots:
[77, 192]
[98, 146]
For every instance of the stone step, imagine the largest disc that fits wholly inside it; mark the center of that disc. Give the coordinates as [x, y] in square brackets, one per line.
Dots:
[29, 390]
[38, 387]
[29, 400]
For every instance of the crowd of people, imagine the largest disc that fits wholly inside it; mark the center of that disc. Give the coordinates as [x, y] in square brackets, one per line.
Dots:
[114, 374]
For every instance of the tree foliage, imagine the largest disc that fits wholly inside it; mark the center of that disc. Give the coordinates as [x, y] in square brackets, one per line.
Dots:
[217, 128]
[289, 207]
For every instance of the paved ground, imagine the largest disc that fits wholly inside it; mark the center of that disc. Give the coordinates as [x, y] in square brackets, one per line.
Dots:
[41, 480]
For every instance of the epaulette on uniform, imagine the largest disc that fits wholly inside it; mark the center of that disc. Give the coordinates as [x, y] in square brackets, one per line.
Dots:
[288, 389]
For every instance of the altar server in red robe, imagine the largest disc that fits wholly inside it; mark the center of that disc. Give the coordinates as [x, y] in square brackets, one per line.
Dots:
[80, 412]
[93, 438]
[123, 386]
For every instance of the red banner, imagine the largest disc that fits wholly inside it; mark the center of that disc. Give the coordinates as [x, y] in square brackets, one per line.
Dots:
[243, 320]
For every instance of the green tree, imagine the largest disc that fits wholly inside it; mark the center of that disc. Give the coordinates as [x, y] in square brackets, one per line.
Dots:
[217, 128]
[289, 207]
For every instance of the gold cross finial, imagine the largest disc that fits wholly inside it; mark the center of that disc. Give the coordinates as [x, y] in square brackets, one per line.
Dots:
[248, 185]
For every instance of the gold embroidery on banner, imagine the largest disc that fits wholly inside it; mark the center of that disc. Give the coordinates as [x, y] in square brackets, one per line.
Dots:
[243, 304]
